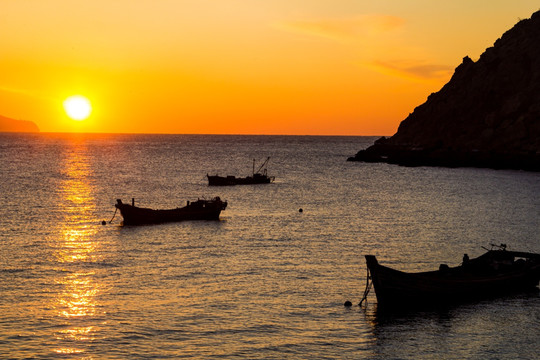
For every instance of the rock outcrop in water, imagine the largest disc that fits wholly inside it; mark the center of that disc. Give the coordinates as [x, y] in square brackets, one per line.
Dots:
[11, 125]
[487, 115]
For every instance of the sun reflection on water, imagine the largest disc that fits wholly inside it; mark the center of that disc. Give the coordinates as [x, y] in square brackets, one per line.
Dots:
[76, 250]
[77, 245]
[79, 294]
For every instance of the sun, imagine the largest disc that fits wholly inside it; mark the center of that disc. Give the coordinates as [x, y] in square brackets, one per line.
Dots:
[77, 107]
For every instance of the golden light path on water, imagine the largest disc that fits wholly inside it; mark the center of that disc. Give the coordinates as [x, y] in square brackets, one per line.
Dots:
[266, 281]
[76, 301]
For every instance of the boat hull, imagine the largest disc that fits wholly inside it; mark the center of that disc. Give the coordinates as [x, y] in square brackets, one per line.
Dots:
[476, 280]
[198, 210]
[215, 180]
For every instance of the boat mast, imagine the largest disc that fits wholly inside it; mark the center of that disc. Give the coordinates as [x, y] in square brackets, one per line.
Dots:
[262, 166]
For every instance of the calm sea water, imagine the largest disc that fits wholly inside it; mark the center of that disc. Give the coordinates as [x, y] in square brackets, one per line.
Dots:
[264, 282]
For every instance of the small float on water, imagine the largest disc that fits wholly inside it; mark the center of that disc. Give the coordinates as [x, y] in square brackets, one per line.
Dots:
[258, 177]
[497, 272]
[196, 210]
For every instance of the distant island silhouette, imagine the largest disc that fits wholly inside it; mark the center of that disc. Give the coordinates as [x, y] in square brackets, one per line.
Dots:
[12, 125]
[487, 115]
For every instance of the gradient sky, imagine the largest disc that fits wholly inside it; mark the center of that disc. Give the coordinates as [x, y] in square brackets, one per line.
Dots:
[314, 67]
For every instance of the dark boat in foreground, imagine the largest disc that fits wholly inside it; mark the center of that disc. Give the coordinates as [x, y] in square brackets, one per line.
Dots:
[196, 210]
[259, 177]
[497, 272]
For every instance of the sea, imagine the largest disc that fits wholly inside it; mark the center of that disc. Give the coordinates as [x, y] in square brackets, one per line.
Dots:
[269, 279]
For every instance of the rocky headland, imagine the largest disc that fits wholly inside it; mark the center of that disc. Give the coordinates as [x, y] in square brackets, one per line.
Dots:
[12, 125]
[487, 115]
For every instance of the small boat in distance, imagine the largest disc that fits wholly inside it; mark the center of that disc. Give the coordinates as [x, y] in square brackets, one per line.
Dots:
[259, 177]
[497, 272]
[197, 210]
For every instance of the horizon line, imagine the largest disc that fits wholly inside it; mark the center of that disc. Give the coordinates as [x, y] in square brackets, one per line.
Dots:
[201, 134]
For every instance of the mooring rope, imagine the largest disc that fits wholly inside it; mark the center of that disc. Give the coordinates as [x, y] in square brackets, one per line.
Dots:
[110, 221]
[368, 287]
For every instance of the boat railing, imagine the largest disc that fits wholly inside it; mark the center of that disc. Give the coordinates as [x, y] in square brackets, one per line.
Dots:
[495, 247]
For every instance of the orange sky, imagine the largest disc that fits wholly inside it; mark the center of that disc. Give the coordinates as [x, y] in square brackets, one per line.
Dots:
[314, 67]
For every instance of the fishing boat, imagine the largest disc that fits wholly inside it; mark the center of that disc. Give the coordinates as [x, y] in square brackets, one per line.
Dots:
[258, 177]
[197, 210]
[497, 272]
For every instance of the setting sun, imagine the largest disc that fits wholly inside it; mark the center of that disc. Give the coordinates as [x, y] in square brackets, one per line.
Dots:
[77, 107]
[305, 67]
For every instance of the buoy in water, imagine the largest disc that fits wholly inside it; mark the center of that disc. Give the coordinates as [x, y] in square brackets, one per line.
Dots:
[348, 303]
[103, 222]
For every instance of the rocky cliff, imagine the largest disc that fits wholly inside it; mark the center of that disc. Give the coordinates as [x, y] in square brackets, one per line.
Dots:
[487, 115]
[11, 125]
